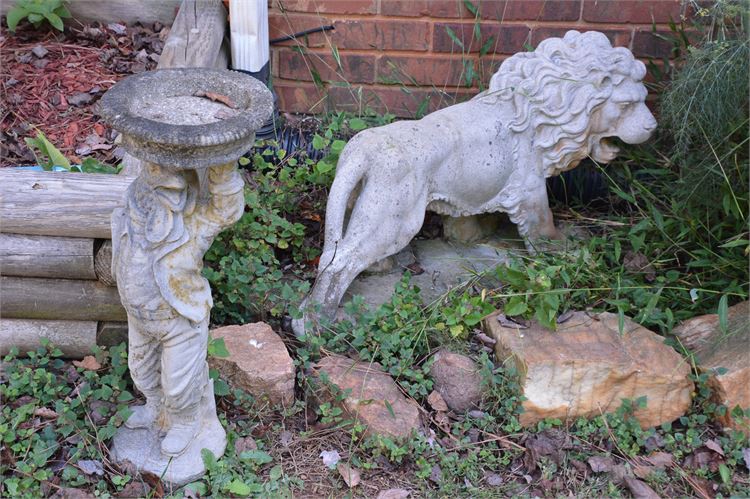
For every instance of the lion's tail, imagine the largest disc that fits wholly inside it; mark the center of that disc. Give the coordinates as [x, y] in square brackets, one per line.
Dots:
[351, 169]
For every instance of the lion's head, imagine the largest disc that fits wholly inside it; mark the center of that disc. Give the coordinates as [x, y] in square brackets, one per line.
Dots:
[574, 93]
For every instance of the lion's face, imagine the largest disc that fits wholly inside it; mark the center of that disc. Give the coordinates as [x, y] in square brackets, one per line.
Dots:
[625, 116]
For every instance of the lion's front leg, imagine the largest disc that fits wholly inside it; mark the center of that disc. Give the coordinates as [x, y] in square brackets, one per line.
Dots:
[534, 219]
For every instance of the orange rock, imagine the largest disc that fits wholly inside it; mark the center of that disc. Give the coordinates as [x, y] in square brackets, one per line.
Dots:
[587, 367]
[258, 362]
[716, 352]
[374, 398]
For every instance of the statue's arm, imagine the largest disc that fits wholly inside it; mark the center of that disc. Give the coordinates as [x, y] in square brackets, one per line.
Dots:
[227, 199]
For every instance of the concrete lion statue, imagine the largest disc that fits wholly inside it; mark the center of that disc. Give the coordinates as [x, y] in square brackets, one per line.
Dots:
[544, 112]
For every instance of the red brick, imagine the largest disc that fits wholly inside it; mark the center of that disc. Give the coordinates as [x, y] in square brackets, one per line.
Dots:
[510, 10]
[354, 68]
[289, 23]
[381, 35]
[415, 70]
[617, 37]
[646, 43]
[531, 10]
[329, 6]
[507, 39]
[403, 102]
[297, 97]
[431, 8]
[631, 11]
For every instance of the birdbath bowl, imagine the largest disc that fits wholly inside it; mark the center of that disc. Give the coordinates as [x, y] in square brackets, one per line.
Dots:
[187, 118]
[188, 127]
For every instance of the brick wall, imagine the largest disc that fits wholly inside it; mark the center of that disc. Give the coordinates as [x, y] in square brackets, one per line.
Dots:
[413, 56]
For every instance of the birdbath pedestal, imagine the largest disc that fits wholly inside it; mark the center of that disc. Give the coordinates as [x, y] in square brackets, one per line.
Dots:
[189, 127]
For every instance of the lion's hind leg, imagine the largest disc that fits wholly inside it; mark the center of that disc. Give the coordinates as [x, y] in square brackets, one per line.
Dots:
[377, 228]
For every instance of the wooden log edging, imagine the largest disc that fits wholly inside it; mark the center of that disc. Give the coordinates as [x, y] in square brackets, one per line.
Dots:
[74, 338]
[47, 256]
[59, 204]
[59, 299]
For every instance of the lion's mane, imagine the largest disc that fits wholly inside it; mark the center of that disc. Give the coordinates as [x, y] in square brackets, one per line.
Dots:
[556, 90]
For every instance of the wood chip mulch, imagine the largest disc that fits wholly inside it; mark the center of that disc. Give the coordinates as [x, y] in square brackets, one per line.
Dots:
[50, 82]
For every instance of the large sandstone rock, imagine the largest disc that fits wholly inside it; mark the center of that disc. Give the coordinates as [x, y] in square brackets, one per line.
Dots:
[258, 362]
[701, 331]
[372, 393]
[725, 356]
[457, 379]
[586, 368]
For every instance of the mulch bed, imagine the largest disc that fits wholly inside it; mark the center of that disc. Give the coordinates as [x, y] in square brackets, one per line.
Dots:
[50, 82]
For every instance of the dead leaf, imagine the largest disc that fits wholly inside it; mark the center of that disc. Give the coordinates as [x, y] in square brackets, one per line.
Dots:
[243, 444]
[216, 98]
[286, 438]
[565, 317]
[493, 479]
[89, 363]
[487, 340]
[643, 471]
[638, 263]
[393, 494]
[437, 402]
[350, 475]
[661, 459]
[436, 474]
[415, 268]
[639, 489]
[714, 446]
[134, 489]
[44, 412]
[71, 493]
[506, 321]
[157, 487]
[601, 464]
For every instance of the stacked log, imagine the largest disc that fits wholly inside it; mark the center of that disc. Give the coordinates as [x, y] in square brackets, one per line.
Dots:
[55, 261]
[55, 250]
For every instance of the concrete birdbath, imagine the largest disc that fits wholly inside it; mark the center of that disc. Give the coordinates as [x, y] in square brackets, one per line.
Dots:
[189, 127]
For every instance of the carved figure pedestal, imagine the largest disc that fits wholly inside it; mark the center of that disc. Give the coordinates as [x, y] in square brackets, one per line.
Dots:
[189, 127]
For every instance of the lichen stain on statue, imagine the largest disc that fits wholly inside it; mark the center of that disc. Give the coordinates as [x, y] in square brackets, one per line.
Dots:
[187, 192]
[543, 113]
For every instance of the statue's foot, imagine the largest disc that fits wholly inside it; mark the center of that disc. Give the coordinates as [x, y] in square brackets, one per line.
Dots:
[181, 432]
[143, 416]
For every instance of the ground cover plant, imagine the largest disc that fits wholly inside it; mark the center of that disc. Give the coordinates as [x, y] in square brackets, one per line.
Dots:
[659, 251]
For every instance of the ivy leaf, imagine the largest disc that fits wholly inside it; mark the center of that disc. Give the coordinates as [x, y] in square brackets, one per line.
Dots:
[55, 21]
[357, 124]
[515, 306]
[14, 16]
[257, 456]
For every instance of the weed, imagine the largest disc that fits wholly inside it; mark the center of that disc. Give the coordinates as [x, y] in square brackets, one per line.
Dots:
[37, 12]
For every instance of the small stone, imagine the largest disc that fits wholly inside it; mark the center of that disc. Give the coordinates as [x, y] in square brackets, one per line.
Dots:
[436, 401]
[375, 400]
[258, 362]
[80, 99]
[39, 51]
[458, 380]
[587, 367]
